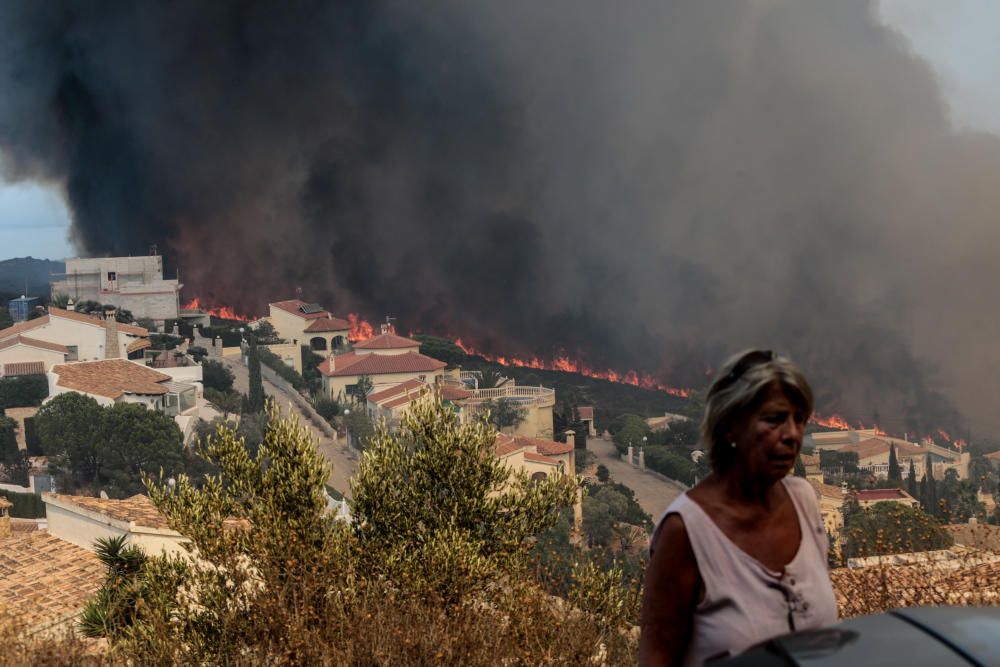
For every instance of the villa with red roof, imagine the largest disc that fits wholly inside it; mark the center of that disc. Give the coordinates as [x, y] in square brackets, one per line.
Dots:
[389, 360]
[869, 497]
[303, 323]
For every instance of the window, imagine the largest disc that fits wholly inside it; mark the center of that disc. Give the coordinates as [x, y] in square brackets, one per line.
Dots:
[112, 276]
[73, 353]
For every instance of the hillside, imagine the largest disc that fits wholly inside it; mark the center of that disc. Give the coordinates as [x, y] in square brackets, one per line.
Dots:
[15, 272]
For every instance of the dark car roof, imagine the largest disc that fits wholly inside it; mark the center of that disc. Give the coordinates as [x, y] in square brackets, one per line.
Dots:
[911, 637]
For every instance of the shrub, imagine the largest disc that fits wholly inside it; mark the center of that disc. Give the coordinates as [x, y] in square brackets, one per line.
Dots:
[327, 408]
[215, 375]
[432, 571]
[671, 464]
[26, 505]
[23, 392]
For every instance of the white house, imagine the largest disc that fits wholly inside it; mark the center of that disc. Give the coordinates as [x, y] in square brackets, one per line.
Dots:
[173, 391]
[86, 337]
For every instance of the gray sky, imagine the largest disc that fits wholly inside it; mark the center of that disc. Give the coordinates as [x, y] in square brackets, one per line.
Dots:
[957, 36]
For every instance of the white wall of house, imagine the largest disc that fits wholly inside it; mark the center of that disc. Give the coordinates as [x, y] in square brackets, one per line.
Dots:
[89, 339]
[288, 326]
[20, 353]
[81, 527]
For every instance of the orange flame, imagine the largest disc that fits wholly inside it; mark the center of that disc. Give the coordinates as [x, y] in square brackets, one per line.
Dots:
[360, 329]
[223, 312]
[833, 421]
[567, 365]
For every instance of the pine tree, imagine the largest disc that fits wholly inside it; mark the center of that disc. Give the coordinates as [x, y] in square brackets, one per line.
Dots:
[895, 474]
[255, 395]
[911, 481]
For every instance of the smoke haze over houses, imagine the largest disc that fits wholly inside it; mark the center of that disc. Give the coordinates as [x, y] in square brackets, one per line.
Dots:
[646, 185]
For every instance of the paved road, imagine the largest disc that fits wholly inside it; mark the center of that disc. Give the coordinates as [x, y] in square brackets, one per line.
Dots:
[654, 493]
[343, 460]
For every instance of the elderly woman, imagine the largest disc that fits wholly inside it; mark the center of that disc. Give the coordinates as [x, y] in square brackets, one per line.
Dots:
[741, 557]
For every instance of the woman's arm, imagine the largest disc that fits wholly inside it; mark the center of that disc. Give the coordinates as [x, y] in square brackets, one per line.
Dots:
[670, 595]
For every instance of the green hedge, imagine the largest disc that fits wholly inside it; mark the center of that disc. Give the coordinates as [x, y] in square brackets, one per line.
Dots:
[26, 505]
[287, 373]
[230, 337]
[669, 463]
[23, 392]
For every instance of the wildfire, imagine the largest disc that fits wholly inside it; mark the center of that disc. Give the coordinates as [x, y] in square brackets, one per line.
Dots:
[360, 329]
[223, 312]
[567, 365]
[833, 421]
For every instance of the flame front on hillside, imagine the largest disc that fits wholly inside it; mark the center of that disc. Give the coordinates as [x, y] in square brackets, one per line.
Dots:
[568, 365]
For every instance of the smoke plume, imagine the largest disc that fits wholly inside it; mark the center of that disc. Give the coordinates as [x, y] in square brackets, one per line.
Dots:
[647, 184]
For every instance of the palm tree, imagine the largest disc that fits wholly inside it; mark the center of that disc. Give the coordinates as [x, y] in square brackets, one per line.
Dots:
[114, 604]
[490, 378]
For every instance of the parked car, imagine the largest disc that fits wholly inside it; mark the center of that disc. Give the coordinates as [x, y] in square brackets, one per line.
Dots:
[914, 637]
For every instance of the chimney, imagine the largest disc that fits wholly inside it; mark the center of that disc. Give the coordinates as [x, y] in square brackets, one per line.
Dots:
[5, 506]
[384, 328]
[111, 349]
[571, 438]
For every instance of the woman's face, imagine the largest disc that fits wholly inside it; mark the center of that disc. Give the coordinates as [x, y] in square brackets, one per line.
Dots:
[769, 439]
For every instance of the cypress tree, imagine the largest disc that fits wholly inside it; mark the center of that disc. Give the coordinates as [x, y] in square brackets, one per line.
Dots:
[923, 493]
[911, 481]
[895, 474]
[932, 499]
[255, 396]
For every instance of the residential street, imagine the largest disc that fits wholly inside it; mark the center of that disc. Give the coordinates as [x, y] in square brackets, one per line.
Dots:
[653, 493]
[344, 463]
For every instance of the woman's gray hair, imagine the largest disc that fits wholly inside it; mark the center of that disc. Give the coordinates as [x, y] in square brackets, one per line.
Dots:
[739, 389]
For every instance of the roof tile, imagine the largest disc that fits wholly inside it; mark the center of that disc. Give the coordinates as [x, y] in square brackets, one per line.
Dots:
[111, 378]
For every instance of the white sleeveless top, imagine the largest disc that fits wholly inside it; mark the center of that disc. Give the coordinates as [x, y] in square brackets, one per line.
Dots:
[745, 603]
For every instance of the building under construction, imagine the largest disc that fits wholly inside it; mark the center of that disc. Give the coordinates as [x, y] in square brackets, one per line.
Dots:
[132, 283]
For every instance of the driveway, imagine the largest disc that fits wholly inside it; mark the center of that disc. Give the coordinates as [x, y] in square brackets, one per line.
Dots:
[343, 460]
[653, 492]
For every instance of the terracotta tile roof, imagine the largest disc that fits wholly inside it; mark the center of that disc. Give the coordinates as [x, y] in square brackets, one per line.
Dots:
[963, 581]
[328, 324]
[453, 393]
[138, 344]
[17, 368]
[871, 495]
[402, 388]
[826, 490]
[138, 509]
[538, 458]
[386, 341]
[32, 342]
[96, 321]
[293, 306]
[44, 579]
[511, 443]
[586, 413]
[874, 446]
[111, 378]
[21, 327]
[378, 364]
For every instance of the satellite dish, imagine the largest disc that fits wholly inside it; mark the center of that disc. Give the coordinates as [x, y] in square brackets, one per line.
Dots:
[697, 455]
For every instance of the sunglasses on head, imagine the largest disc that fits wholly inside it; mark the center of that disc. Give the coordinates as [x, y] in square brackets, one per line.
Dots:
[749, 360]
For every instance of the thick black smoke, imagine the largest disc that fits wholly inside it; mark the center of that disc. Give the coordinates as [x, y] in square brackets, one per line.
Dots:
[646, 184]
